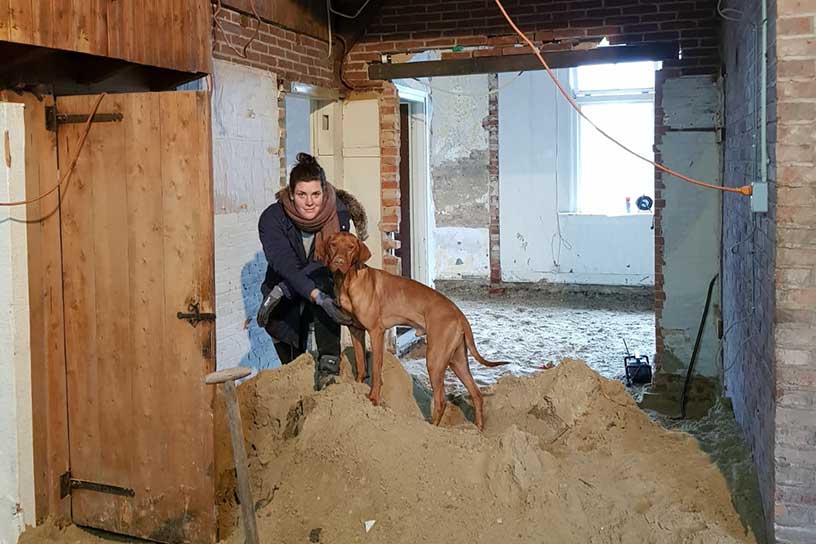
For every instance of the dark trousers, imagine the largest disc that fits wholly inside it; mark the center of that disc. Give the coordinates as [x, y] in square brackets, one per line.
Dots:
[327, 331]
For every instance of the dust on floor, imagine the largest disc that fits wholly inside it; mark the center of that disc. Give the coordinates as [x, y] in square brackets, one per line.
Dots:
[530, 329]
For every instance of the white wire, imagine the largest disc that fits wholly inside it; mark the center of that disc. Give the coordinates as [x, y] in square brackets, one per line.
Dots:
[562, 242]
[723, 11]
[346, 15]
[329, 11]
[455, 93]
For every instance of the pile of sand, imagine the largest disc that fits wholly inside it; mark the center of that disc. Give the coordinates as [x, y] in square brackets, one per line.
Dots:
[566, 457]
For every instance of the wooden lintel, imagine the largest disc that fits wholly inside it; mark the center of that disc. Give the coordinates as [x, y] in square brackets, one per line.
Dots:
[523, 63]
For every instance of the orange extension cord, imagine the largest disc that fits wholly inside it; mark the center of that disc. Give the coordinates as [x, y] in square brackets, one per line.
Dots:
[65, 177]
[744, 190]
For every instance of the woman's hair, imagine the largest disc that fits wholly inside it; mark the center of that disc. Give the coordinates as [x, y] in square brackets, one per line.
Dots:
[306, 169]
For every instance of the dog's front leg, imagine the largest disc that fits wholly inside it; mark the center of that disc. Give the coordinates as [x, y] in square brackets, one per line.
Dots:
[358, 341]
[377, 346]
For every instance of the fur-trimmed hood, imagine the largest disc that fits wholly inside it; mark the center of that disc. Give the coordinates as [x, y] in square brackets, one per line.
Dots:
[356, 211]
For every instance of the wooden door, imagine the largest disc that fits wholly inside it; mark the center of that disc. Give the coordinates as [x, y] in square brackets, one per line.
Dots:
[137, 236]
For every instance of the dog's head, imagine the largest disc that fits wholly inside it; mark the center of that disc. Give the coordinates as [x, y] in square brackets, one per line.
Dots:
[346, 251]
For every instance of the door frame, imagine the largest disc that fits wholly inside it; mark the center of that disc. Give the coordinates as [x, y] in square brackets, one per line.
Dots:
[419, 103]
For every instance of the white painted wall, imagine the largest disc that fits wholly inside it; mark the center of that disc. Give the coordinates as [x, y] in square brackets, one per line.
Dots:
[361, 166]
[692, 223]
[536, 129]
[461, 253]
[16, 435]
[246, 177]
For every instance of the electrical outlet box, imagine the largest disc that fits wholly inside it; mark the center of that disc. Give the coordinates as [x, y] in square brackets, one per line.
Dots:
[759, 198]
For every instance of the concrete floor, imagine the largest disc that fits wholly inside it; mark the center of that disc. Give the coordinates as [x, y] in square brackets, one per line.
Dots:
[530, 328]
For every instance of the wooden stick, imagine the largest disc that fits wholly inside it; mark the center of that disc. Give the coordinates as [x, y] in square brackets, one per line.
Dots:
[227, 379]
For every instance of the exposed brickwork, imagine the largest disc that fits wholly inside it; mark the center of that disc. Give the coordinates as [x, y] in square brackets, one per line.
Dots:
[389, 174]
[794, 338]
[748, 248]
[658, 207]
[492, 124]
[284, 160]
[405, 26]
[418, 25]
[292, 56]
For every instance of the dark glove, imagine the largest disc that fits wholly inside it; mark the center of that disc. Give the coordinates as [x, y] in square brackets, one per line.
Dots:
[269, 302]
[332, 309]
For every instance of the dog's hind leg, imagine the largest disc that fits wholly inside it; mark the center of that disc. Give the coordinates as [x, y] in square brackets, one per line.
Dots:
[436, 359]
[460, 367]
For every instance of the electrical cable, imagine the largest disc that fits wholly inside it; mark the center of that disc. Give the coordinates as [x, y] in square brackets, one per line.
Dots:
[562, 242]
[329, 25]
[345, 15]
[696, 350]
[743, 190]
[722, 11]
[243, 51]
[65, 177]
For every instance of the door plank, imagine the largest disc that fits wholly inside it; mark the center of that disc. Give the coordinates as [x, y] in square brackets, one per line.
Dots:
[184, 346]
[152, 439]
[22, 25]
[79, 279]
[118, 19]
[106, 149]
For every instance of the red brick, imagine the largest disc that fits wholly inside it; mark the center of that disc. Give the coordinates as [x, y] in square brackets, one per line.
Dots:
[794, 26]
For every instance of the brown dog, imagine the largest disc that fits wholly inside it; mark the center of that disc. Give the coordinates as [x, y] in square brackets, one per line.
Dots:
[378, 301]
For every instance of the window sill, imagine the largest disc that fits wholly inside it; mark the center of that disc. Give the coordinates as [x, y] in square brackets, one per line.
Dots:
[592, 214]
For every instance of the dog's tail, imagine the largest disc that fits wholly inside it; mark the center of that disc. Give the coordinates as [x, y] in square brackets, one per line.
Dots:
[471, 346]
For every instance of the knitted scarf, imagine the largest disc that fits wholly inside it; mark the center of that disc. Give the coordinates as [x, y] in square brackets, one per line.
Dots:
[324, 224]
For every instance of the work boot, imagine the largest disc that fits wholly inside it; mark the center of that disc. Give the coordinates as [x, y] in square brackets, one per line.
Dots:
[328, 368]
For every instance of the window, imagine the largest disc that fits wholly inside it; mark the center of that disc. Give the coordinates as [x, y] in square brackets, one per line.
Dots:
[619, 98]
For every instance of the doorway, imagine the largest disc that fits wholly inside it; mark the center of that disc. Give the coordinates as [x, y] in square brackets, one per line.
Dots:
[404, 251]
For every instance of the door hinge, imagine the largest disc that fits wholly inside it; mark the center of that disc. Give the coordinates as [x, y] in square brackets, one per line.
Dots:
[194, 315]
[68, 484]
[53, 119]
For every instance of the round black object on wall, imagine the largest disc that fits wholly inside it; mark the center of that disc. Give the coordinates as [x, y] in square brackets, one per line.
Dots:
[644, 203]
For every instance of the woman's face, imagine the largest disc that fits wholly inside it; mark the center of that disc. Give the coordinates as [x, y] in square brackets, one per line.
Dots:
[308, 198]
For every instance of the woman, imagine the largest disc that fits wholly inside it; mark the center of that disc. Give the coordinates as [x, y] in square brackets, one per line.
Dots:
[298, 287]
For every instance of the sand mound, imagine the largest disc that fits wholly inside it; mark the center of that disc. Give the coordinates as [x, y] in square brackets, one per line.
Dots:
[566, 457]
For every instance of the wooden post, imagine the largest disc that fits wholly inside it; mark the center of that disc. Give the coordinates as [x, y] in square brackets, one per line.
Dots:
[227, 379]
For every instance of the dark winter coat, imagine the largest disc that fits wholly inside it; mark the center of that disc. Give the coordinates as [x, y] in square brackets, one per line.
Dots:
[287, 261]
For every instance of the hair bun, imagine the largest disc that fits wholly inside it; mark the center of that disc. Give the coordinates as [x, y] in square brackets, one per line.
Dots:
[305, 158]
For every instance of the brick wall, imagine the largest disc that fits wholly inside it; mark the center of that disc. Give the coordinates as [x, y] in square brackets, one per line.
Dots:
[795, 271]
[658, 207]
[292, 56]
[389, 175]
[477, 28]
[492, 123]
[748, 248]
[417, 25]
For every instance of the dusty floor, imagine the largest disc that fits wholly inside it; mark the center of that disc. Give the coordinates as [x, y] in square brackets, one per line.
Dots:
[530, 329]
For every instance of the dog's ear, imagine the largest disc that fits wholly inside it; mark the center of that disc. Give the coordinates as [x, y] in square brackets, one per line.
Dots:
[363, 253]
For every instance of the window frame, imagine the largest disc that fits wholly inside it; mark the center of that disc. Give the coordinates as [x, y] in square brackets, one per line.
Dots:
[603, 96]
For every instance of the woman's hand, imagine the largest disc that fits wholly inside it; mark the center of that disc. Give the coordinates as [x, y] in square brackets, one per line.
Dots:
[330, 307]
